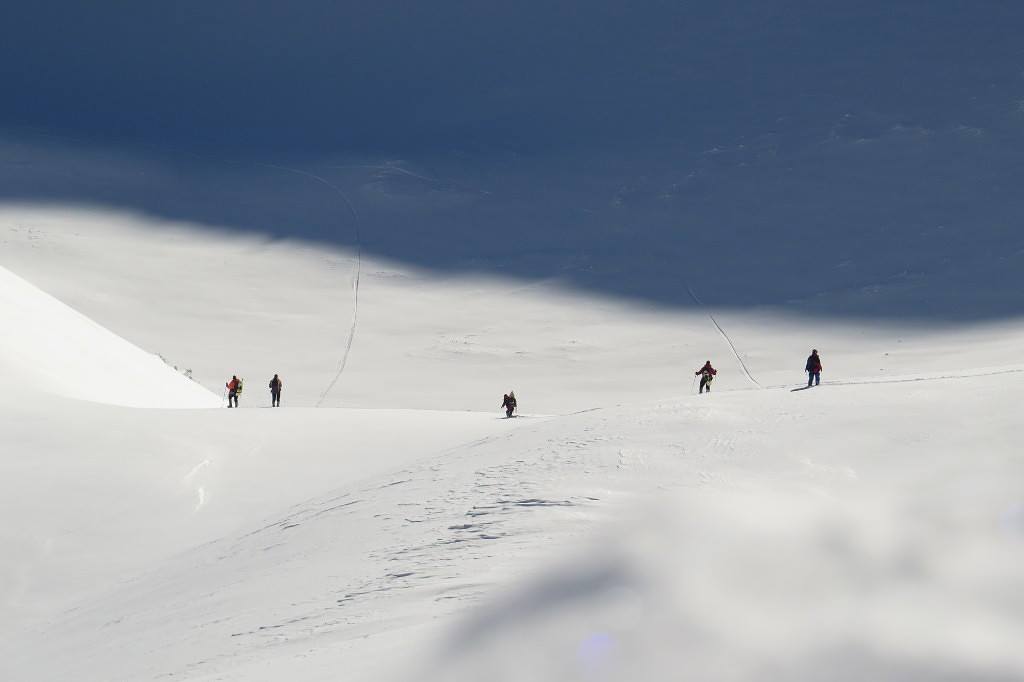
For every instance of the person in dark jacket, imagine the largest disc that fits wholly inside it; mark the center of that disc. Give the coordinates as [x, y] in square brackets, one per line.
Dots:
[813, 369]
[509, 403]
[707, 374]
[275, 391]
[234, 388]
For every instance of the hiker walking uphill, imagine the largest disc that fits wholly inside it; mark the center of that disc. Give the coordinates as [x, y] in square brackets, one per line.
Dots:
[813, 369]
[509, 403]
[234, 390]
[707, 374]
[275, 391]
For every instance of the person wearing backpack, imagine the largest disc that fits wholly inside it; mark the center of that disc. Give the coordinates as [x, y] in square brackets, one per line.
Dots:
[707, 374]
[509, 403]
[275, 391]
[234, 388]
[813, 369]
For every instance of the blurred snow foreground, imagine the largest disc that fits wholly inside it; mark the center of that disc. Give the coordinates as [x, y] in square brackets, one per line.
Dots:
[756, 587]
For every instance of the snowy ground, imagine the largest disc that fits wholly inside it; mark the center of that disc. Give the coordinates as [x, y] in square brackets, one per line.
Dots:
[621, 527]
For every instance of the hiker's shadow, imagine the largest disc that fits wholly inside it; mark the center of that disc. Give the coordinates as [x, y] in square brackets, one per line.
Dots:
[802, 388]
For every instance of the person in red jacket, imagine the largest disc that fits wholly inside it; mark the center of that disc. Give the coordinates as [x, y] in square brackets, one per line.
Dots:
[707, 374]
[233, 387]
[813, 369]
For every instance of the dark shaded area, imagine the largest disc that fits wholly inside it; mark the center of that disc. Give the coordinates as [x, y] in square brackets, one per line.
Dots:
[844, 158]
[258, 76]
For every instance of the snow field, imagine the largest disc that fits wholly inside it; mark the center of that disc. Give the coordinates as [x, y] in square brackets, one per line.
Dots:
[222, 304]
[729, 534]
[620, 527]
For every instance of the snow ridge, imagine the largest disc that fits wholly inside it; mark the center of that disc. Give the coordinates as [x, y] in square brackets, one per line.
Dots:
[54, 349]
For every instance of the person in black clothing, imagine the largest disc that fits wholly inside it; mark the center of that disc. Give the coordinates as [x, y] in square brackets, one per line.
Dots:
[275, 391]
[707, 374]
[813, 369]
[509, 403]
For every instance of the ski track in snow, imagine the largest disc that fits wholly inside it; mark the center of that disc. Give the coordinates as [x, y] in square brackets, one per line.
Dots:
[359, 269]
[391, 167]
[725, 336]
[447, 524]
[911, 379]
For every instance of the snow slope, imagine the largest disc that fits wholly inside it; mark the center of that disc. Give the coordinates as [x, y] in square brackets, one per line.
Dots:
[50, 345]
[220, 303]
[406, 211]
[733, 536]
[870, 526]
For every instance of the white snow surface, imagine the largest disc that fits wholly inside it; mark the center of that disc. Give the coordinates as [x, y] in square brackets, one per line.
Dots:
[621, 527]
[50, 345]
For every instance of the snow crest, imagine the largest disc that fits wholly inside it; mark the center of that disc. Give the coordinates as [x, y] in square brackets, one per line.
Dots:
[57, 350]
